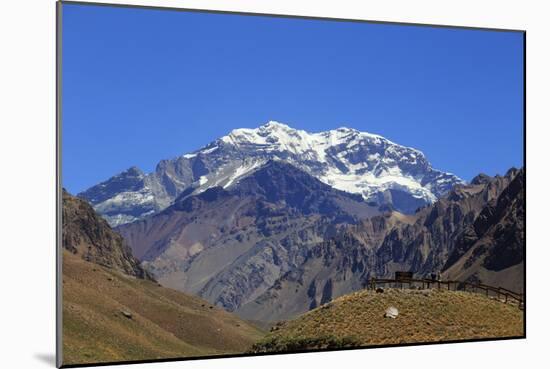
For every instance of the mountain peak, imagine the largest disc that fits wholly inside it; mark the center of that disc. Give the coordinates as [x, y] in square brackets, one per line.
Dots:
[481, 178]
[133, 171]
[272, 124]
[250, 134]
[346, 129]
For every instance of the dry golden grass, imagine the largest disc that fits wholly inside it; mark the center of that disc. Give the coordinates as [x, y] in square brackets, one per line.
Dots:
[164, 323]
[424, 316]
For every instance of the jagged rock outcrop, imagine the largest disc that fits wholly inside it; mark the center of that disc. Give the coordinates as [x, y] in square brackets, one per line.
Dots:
[492, 249]
[87, 234]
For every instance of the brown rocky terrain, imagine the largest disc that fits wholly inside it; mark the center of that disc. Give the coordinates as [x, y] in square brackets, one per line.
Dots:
[491, 249]
[89, 236]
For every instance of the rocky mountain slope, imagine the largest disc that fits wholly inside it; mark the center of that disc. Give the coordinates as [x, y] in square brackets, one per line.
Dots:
[381, 171]
[491, 249]
[230, 245]
[379, 246]
[89, 236]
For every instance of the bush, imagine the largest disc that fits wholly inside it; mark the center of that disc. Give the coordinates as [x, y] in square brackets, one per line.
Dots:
[275, 344]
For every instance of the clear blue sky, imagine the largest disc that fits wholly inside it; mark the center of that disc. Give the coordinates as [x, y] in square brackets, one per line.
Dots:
[144, 85]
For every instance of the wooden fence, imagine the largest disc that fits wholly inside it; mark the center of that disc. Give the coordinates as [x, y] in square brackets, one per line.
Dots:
[499, 293]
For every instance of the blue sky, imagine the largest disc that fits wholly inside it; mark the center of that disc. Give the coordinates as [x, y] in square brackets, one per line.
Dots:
[142, 85]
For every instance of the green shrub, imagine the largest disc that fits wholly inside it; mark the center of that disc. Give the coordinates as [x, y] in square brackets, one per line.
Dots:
[276, 344]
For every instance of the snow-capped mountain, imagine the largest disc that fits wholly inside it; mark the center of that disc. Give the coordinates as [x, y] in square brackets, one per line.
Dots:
[381, 171]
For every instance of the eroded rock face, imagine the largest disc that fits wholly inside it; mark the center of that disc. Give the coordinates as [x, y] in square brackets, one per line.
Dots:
[87, 234]
[371, 166]
[492, 249]
[231, 245]
[379, 246]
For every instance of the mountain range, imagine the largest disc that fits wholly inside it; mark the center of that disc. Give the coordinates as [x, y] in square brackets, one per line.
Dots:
[271, 222]
[280, 242]
[382, 172]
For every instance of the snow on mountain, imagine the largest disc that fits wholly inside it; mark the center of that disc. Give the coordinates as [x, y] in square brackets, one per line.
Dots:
[381, 171]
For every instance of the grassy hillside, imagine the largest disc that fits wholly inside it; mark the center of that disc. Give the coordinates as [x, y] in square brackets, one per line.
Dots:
[424, 316]
[109, 316]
